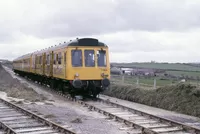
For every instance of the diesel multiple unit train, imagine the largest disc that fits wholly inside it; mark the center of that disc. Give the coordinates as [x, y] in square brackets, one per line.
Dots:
[79, 67]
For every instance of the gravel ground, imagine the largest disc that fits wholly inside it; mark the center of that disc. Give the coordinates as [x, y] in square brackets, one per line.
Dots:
[14, 88]
[57, 109]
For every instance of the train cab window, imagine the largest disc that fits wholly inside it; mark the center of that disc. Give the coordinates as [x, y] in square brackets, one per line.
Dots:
[59, 58]
[101, 58]
[89, 58]
[76, 56]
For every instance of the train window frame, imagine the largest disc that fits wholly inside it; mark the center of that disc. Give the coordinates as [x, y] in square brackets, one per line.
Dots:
[80, 64]
[86, 59]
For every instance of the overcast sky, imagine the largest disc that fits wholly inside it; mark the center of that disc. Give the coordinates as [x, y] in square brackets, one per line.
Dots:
[134, 30]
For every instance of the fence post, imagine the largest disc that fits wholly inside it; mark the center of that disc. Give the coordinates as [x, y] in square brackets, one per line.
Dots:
[137, 81]
[154, 83]
[122, 78]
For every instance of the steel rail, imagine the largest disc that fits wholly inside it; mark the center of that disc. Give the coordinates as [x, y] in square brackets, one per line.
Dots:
[187, 128]
[33, 116]
[161, 119]
[7, 129]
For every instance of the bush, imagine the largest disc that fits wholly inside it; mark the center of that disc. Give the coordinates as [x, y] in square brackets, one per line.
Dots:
[183, 98]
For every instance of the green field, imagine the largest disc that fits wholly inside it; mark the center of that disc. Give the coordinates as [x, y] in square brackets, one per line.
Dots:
[185, 73]
[166, 66]
[147, 82]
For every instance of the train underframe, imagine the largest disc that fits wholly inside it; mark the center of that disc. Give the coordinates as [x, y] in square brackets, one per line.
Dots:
[75, 87]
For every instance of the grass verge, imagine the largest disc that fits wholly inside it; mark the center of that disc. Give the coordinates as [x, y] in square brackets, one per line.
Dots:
[182, 98]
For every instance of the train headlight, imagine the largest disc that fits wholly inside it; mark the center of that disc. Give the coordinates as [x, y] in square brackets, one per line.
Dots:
[104, 75]
[76, 75]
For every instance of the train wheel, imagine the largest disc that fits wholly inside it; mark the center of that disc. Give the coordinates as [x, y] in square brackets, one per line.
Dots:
[94, 92]
[61, 88]
[52, 84]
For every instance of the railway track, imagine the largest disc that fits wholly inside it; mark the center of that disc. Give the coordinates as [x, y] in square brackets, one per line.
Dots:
[146, 123]
[14, 120]
[136, 121]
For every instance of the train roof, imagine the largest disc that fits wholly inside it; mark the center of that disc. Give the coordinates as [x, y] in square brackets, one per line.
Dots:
[76, 42]
[23, 56]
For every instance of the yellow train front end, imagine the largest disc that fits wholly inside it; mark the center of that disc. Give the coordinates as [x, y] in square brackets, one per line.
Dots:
[88, 66]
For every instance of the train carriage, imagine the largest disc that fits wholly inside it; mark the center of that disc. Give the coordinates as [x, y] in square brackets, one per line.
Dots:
[80, 66]
[23, 63]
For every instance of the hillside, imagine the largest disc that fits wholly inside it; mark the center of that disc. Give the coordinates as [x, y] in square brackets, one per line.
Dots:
[166, 66]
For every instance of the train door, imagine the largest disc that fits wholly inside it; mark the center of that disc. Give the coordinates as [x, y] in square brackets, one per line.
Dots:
[47, 65]
[34, 63]
[59, 65]
[30, 64]
[43, 63]
[54, 63]
[22, 65]
[65, 64]
[51, 64]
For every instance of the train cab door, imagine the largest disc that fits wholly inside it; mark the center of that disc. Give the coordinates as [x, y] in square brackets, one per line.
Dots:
[65, 64]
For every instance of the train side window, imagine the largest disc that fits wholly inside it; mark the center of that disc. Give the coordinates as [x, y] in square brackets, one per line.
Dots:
[54, 61]
[40, 60]
[65, 58]
[59, 58]
[36, 60]
[48, 59]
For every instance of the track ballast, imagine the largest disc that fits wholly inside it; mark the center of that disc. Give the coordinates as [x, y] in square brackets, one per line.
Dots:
[14, 120]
